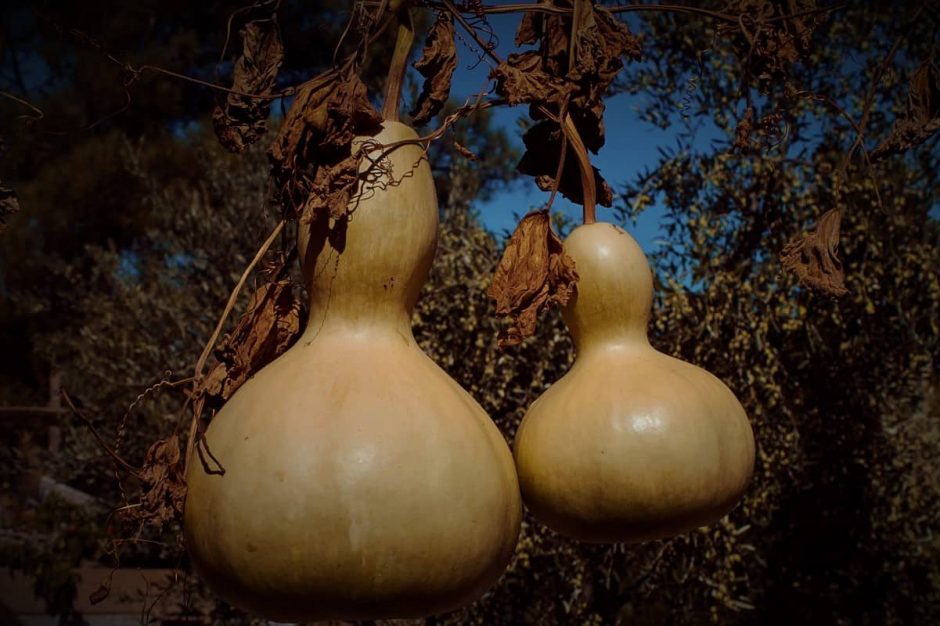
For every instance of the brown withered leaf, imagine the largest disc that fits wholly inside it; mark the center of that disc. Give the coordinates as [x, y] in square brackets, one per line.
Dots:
[603, 41]
[543, 147]
[554, 32]
[242, 120]
[310, 156]
[8, 205]
[100, 594]
[922, 119]
[464, 151]
[529, 29]
[437, 65]
[533, 273]
[163, 488]
[327, 113]
[521, 78]
[268, 328]
[333, 187]
[814, 258]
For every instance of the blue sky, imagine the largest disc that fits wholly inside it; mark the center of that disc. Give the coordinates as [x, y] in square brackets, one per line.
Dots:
[630, 146]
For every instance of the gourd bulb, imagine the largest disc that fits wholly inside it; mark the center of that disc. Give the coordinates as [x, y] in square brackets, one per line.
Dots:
[630, 444]
[361, 482]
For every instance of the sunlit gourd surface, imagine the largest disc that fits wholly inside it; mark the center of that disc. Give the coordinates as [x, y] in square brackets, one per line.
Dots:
[361, 481]
[631, 444]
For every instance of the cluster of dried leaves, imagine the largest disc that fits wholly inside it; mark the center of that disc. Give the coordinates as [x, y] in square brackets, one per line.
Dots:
[163, 486]
[311, 158]
[773, 35]
[579, 55]
[313, 164]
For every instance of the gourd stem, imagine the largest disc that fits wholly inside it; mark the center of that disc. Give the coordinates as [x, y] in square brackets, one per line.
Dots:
[399, 64]
[589, 190]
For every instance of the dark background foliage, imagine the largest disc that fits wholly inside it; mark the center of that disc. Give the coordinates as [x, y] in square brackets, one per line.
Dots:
[134, 225]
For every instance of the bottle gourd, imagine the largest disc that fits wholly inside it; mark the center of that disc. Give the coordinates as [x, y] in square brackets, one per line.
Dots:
[631, 444]
[360, 481]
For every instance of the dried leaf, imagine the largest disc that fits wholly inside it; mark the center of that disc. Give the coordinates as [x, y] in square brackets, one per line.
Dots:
[923, 114]
[100, 594]
[163, 486]
[267, 329]
[533, 273]
[241, 121]
[529, 29]
[603, 41]
[520, 78]
[310, 157]
[333, 187]
[437, 65]
[464, 151]
[543, 147]
[813, 256]
[8, 205]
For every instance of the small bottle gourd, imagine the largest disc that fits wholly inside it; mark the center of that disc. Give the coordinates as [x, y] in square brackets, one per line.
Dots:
[361, 481]
[631, 444]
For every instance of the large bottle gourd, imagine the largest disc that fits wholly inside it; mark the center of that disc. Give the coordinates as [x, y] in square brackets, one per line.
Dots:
[630, 444]
[360, 480]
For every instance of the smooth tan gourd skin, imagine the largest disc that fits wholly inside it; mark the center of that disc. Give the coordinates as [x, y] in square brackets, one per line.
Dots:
[361, 481]
[631, 444]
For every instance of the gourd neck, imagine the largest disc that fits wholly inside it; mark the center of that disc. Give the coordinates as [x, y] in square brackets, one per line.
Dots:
[614, 294]
[363, 272]
[372, 327]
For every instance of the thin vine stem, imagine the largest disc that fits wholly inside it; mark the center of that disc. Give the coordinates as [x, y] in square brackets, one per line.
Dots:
[234, 296]
[38, 112]
[561, 161]
[207, 350]
[94, 432]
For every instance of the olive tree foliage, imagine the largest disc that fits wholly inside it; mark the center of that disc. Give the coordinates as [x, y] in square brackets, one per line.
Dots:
[838, 525]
